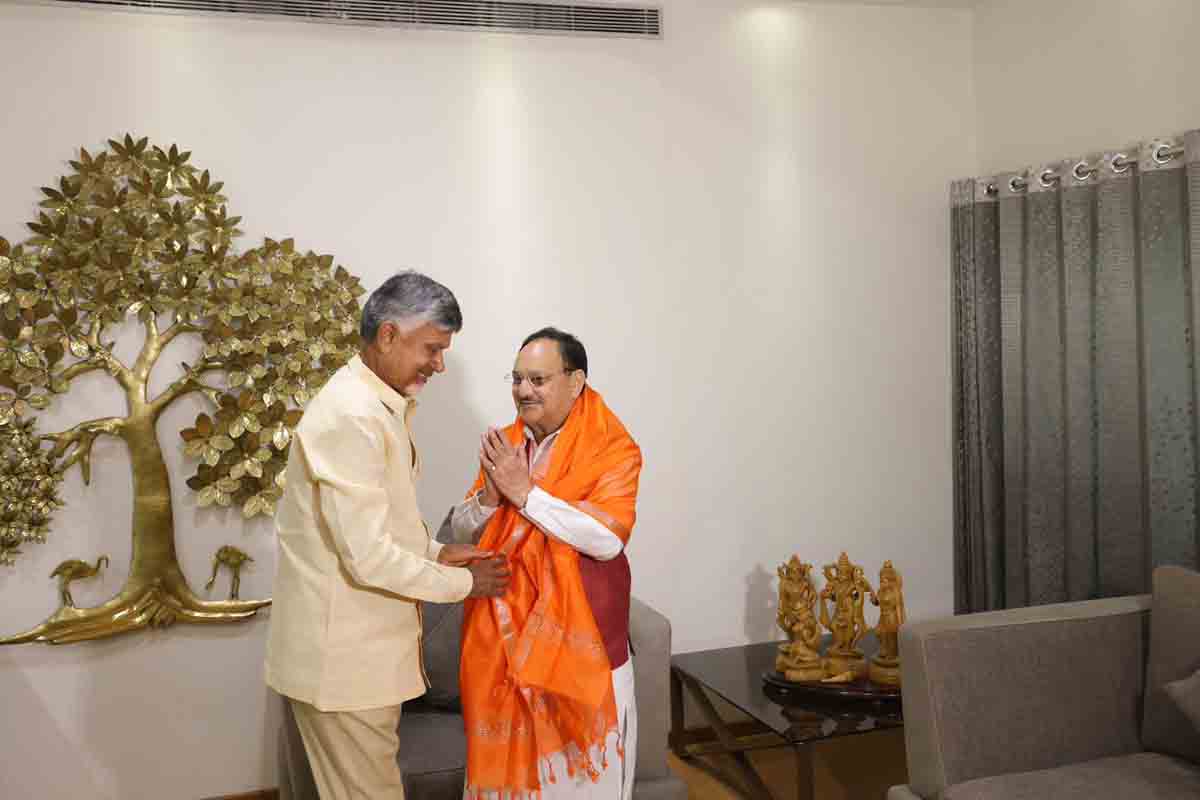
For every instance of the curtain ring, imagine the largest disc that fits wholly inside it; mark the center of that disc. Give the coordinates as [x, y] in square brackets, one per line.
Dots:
[1164, 153]
[1120, 163]
[991, 190]
[1017, 183]
[1048, 178]
[1082, 171]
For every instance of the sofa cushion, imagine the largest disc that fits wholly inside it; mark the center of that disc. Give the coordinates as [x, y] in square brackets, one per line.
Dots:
[441, 645]
[1186, 694]
[1140, 776]
[432, 754]
[1174, 655]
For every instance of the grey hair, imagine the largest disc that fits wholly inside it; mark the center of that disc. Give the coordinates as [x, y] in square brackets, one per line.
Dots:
[409, 299]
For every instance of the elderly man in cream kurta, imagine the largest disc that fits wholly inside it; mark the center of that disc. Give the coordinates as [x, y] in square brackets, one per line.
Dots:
[355, 558]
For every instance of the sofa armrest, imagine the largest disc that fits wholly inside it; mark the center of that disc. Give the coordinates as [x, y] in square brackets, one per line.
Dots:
[650, 635]
[1019, 690]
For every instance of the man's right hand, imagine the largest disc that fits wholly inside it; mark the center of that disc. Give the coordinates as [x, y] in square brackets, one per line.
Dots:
[489, 577]
[460, 555]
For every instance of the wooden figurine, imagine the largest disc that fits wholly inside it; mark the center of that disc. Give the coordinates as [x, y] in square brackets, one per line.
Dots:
[885, 666]
[846, 588]
[799, 658]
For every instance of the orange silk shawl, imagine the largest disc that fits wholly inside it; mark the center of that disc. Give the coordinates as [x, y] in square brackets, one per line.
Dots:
[534, 675]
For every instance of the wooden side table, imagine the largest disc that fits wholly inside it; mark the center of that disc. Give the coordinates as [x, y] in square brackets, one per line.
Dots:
[779, 715]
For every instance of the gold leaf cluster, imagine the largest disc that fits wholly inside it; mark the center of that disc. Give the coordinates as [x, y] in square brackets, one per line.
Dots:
[136, 231]
[28, 487]
[242, 451]
[287, 323]
[33, 338]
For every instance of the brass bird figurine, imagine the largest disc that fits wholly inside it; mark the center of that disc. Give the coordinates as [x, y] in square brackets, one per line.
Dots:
[233, 558]
[72, 570]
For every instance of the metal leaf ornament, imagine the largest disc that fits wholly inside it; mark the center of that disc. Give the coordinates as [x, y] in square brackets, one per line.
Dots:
[28, 484]
[137, 235]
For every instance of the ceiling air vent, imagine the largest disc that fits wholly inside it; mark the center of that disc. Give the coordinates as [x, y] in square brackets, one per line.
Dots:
[554, 18]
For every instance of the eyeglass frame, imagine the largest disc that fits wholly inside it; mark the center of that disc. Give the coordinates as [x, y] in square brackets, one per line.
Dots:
[541, 380]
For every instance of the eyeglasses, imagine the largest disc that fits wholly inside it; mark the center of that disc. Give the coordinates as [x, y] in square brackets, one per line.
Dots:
[536, 381]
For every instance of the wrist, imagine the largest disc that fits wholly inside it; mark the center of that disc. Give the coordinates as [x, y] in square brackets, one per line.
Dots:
[523, 499]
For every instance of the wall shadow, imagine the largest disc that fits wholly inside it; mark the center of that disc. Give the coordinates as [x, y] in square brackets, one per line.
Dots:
[446, 429]
[762, 603]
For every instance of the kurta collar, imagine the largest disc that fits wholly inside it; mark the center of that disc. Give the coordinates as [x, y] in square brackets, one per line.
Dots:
[395, 402]
[551, 437]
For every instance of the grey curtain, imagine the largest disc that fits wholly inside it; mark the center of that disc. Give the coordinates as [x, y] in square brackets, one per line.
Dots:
[1075, 392]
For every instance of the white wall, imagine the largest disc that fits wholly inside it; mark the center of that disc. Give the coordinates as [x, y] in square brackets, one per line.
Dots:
[1055, 80]
[745, 222]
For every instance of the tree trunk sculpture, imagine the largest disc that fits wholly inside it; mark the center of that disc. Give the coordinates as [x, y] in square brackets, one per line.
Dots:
[137, 232]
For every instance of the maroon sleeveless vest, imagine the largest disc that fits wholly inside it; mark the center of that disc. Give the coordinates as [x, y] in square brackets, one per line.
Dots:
[607, 585]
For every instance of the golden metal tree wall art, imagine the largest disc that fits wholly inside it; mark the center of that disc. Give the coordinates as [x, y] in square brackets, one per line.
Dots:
[137, 236]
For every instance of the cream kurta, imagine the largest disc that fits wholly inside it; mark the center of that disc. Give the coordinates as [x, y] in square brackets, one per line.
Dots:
[354, 555]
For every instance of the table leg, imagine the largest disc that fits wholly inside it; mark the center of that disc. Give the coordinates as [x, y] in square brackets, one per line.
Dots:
[675, 738]
[744, 772]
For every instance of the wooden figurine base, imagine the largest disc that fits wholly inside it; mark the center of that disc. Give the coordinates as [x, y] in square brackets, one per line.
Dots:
[884, 674]
[787, 692]
[804, 667]
[837, 664]
[811, 673]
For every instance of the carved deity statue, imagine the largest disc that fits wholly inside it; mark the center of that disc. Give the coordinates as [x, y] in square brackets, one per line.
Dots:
[798, 658]
[847, 589]
[842, 602]
[885, 666]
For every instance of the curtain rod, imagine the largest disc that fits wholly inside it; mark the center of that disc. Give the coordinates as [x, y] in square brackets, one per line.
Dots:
[1118, 163]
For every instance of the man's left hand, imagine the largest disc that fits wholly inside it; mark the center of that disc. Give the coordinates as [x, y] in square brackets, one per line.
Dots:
[459, 555]
[507, 468]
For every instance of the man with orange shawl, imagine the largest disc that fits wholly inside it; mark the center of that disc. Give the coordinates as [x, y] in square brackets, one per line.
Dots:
[547, 684]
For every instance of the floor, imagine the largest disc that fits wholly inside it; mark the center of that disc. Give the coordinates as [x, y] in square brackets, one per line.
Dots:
[850, 768]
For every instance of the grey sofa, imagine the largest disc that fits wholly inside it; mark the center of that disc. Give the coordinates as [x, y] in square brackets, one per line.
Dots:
[432, 744]
[1060, 701]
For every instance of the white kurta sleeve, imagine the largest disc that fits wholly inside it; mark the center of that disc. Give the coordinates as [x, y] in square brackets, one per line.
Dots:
[571, 526]
[468, 518]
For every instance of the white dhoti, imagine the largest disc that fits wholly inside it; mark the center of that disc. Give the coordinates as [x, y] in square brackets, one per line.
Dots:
[616, 780]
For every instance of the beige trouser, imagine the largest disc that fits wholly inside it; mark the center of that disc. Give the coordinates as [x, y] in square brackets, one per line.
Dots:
[352, 753]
